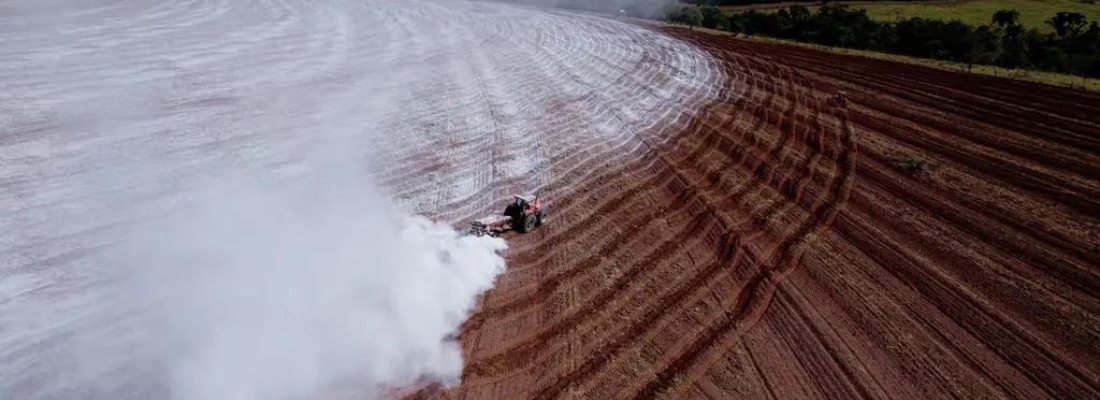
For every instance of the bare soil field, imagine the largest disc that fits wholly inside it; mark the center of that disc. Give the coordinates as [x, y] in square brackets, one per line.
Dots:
[718, 227]
[771, 243]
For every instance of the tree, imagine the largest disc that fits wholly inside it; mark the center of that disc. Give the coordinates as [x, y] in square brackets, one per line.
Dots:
[671, 11]
[921, 37]
[957, 39]
[1006, 18]
[1015, 49]
[839, 25]
[799, 13]
[1079, 63]
[985, 46]
[751, 23]
[1074, 47]
[691, 16]
[735, 26]
[722, 22]
[711, 16]
[791, 21]
[1067, 25]
[882, 37]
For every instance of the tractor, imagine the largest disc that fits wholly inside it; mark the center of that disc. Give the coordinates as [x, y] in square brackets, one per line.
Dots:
[838, 99]
[523, 214]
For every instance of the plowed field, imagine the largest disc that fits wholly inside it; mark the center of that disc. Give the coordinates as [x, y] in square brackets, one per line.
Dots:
[718, 227]
[769, 244]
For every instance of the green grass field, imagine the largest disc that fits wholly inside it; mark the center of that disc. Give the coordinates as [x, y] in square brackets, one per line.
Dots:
[1033, 13]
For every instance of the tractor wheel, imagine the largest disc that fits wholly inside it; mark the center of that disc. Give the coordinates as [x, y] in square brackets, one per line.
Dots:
[528, 222]
[541, 216]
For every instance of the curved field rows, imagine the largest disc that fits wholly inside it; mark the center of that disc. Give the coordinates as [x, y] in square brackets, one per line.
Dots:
[977, 279]
[113, 112]
[718, 227]
[653, 269]
[743, 254]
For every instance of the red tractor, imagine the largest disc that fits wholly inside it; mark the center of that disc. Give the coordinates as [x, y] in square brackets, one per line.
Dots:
[525, 213]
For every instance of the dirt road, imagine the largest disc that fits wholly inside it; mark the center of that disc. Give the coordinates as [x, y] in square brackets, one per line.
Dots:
[771, 245]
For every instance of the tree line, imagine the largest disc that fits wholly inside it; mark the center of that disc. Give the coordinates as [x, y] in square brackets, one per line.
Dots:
[1073, 46]
[752, 2]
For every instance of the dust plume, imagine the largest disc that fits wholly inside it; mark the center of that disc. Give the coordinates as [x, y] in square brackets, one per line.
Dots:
[265, 294]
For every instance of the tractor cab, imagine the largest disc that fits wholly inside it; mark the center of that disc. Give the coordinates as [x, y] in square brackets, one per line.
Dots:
[525, 201]
[526, 212]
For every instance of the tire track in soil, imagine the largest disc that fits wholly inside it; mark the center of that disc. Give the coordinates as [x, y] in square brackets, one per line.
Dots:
[607, 207]
[754, 298]
[452, 106]
[634, 269]
[1073, 380]
[776, 171]
[758, 169]
[758, 175]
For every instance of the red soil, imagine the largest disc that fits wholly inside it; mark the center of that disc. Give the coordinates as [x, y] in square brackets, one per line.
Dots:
[766, 246]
